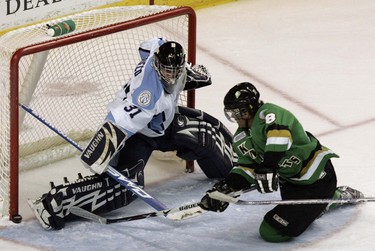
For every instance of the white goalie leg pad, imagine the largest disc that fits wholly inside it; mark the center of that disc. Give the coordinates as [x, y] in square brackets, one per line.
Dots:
[105, 144]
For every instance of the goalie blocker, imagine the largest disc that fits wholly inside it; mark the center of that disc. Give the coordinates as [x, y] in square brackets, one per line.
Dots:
[108, 140]
[194, 134]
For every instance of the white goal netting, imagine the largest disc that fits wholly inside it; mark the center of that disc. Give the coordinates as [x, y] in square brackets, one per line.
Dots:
[68, 80]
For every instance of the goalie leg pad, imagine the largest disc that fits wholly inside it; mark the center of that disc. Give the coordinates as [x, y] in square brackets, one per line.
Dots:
[97, 194]
[204, 139]
[47, 215]
[108, 140]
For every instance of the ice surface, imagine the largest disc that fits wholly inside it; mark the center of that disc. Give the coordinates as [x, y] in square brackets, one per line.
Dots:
[315, 58]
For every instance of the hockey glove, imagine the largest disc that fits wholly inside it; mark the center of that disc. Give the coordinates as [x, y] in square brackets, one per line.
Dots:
[266, 179]
[197, 77]
[210, 204]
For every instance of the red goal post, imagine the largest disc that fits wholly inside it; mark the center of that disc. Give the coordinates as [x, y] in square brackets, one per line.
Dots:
[69, 79]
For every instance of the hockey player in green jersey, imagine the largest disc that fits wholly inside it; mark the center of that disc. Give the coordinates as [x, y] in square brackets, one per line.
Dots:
[275, 151]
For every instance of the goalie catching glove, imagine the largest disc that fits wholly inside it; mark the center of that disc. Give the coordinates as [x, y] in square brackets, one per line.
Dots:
[197, 77]
[105, 144]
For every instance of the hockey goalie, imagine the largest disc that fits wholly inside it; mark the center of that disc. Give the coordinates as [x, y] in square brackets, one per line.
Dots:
[143, 117]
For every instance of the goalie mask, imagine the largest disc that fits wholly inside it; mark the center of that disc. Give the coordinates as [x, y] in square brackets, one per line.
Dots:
[240, 99]
[169, 61]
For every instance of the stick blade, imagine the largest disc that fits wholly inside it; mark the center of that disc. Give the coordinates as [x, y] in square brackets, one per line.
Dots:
[184, 212]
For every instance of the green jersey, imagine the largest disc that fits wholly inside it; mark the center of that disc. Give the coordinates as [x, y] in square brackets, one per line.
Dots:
[276, 132]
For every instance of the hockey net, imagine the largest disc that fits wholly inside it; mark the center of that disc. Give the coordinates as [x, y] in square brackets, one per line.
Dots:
[69, 79]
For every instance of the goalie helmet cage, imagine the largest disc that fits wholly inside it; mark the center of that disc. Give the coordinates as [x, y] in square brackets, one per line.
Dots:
[69, 79]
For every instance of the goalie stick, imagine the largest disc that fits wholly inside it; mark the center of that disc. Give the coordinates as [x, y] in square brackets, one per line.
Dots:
[179, 213]
[223, 197]
[116, 175]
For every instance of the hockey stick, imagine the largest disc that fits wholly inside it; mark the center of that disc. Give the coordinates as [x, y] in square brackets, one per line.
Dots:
[179, 213]
[116, 175]
[223, 197]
